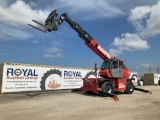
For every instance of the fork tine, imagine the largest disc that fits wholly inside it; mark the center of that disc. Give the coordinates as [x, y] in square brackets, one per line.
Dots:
[38, 28]
[41, 24]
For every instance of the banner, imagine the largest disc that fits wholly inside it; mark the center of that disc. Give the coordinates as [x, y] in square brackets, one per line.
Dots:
[30, 78]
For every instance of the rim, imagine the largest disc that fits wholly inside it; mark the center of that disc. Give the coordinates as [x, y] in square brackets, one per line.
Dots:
[130, 88]
[108, 89]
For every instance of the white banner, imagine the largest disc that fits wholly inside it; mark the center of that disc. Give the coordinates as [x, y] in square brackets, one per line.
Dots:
[30, 78]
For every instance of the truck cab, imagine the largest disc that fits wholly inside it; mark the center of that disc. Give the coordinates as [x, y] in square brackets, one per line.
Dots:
[114, 68]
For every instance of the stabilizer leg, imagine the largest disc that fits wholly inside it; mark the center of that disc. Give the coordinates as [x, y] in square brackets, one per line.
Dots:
[142, 90]
[113, 96]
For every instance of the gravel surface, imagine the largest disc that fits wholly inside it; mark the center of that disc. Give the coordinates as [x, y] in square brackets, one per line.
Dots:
[66, 105]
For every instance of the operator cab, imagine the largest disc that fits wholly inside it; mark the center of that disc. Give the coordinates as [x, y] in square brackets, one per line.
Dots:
[112, 68]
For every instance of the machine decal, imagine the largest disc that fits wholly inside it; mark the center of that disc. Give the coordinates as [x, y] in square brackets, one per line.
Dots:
[51, 80]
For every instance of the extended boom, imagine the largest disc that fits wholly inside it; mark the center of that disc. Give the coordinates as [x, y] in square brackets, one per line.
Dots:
[114, 74]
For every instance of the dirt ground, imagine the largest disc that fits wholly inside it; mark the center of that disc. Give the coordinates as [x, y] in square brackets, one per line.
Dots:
[66, 105]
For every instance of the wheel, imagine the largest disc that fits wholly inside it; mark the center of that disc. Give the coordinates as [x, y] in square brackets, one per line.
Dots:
[89, 92]
[107, 87]
[158, 82]
[50, 76]
[129, 88]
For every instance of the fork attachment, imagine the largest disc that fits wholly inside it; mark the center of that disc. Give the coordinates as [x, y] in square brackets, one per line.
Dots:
[51, 23]
[45, 27]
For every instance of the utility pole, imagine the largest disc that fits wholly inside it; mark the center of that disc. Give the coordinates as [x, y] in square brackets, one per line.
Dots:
[157, 69]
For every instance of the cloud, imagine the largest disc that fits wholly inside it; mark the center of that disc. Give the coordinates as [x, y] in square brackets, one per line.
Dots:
[57, 43]
[52, 53]
[138, 16]
[35, 41]
[147, 65]
[128, 42]
[139, 13]
[90, 9]
[52, 50]
[148, 68]
[115, 52]
[3, 3]
[20, 14]
[17, 14]
[15, 17]
[146, 19]
[12, 33]
[56, 55]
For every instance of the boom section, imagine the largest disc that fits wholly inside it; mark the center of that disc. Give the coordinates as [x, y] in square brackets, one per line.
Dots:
[52, 24]
[89, 41]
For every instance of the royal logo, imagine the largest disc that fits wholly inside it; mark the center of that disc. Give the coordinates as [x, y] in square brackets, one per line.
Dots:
[72, 74]
[22, 72]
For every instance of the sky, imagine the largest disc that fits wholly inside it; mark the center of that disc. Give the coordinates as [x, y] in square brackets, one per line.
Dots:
[127, 29]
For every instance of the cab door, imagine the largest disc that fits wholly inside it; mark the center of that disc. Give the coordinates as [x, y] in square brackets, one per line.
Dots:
[117, 69]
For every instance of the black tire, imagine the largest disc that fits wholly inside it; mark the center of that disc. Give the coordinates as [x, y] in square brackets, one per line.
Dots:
[158, 82]
[129, 88]
[107, 87]
[89, 92]
[48, 73]
[90, 73]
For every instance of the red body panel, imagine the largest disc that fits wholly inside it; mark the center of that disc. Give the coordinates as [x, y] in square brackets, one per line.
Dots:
[94, 46]
[105, 73]
[120, 84]
[126, 73]
[91, 84]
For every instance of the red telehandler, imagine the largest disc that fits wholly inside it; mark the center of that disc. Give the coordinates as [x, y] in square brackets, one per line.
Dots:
[114, 74]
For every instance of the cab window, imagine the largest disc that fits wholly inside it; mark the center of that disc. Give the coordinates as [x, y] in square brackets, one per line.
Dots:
[105, 65]
[115, 65]
[121, 64]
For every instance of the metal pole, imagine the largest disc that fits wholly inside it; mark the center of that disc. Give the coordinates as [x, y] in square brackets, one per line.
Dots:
[157, 69]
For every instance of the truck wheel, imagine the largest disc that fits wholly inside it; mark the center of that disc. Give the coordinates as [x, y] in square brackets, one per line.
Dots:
[107, 87]
[89, 92]
[158, 82]
[129, 88]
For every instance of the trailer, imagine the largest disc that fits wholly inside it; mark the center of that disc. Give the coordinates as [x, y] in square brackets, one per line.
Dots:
[17, 77]
[151, 79]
